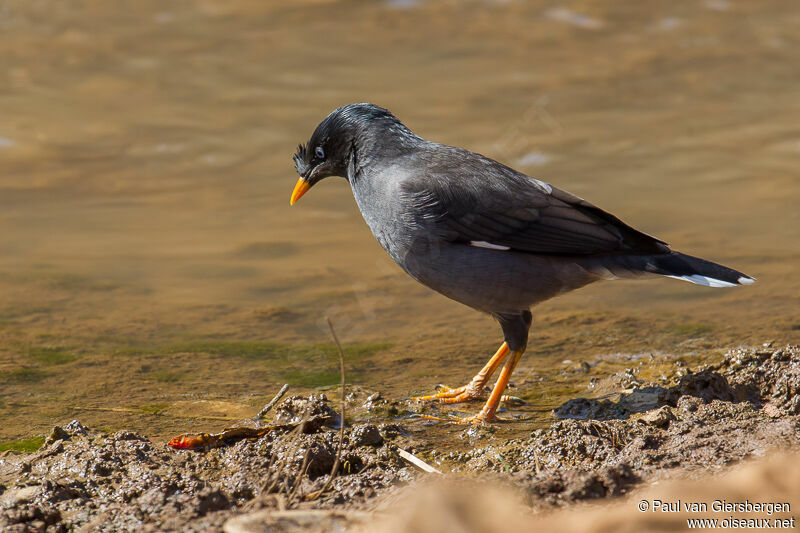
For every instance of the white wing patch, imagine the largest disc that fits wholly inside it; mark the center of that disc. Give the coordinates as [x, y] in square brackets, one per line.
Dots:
[490, 246]
[546, 186]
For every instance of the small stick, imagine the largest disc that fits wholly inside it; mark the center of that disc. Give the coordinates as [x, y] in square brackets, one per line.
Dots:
[536, 460]
[300, 474]
[272, 402]
[416, 461]
[284, 461]
[335, 469]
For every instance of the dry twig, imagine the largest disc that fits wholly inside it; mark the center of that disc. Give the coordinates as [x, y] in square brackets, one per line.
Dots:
[337, 461]
[262, 413]
[416, 461]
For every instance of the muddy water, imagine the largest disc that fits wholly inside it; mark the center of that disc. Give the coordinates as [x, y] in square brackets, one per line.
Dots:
[154, 277]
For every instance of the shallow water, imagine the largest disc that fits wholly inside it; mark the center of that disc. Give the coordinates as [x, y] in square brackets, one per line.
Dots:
[146, 168]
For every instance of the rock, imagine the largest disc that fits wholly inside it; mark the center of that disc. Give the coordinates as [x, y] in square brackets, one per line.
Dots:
[58, 433]
[772, 411]
[765, 376]
[25, 518]
[706, 385]
[366, 435]
[314, 410]
[658, 418]
[688, 404]
[76, 428]
[590, 409]
[62, 491]
[371, 399]
[19, 495]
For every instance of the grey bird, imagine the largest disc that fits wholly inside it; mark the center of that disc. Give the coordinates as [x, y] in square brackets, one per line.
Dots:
[480, 232]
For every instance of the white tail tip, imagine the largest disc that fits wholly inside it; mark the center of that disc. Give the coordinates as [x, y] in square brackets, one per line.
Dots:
[705, 280]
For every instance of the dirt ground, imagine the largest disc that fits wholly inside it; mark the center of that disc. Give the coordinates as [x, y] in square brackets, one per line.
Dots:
[694, 424]
[155, 281]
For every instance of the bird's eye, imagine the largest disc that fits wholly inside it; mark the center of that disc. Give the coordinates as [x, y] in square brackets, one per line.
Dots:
[319, 152]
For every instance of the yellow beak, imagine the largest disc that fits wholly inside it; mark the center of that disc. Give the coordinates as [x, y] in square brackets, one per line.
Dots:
[300, 189]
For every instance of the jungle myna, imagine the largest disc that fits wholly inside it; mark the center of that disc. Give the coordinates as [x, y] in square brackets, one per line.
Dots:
[480, 232]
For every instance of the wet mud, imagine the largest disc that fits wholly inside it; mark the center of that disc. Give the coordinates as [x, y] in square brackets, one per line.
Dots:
[694, 423]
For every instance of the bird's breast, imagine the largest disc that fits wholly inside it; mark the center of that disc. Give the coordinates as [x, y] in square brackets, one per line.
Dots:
[382, 207]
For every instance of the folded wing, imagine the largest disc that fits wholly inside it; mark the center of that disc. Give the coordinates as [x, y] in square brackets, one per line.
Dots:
[486, 203]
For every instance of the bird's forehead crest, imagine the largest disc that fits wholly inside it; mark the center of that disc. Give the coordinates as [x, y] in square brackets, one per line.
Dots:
[300, 162]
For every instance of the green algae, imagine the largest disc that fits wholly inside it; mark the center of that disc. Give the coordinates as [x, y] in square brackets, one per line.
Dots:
[24, 375]
[154, 408]
[51, 355]
[22, 445]
[166, 376]
[256, 350]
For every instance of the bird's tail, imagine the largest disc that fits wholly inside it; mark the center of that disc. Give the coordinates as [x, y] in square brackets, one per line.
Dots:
[673, 265]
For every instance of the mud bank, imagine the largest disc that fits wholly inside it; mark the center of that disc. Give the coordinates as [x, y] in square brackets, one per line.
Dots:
[692, 426]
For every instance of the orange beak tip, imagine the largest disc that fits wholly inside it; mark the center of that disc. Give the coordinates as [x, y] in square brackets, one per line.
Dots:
[300, 188]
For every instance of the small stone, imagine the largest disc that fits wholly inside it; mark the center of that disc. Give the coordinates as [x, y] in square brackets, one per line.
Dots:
[58, 433]
[658, 418]
[512, 401]
[772, 411]
[76, 428]
[475, 432]
[19, 495]
[366, 435]
[314, 410]
[210, 500]
[688, 404]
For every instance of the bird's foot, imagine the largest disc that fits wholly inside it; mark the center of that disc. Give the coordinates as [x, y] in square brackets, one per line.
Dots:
[479, 419]
[474, 420]
[473, 391]
[453, 419]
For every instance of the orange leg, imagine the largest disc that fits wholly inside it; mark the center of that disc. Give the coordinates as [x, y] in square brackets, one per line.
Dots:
[475, 387]
[487, 414]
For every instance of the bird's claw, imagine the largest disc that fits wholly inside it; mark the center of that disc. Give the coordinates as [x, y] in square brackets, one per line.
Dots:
[512, 401]
[475, 420]
[450, 395]
[478, 420]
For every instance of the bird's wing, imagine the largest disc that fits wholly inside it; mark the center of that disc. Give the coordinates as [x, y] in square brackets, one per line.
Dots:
[484, 203]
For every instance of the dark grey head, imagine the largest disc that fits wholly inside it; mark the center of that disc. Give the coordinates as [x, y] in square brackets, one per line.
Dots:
[333, 145]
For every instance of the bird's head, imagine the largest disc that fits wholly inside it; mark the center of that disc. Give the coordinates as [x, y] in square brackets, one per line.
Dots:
[332, 146]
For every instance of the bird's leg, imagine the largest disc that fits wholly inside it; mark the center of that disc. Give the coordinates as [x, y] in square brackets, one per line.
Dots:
[475, 387]
[515, 329]
[487, 414]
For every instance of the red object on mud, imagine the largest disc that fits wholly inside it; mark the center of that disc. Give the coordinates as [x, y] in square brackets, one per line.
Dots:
[208, 440]
[188, 442]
